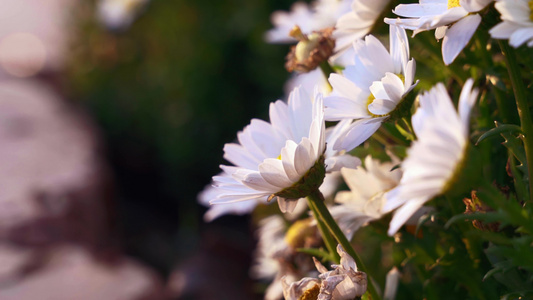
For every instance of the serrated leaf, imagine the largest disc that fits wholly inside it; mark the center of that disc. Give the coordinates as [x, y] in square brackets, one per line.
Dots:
[498, 130]
[515, 145]
[486, 217]
[492, 272]
[520, 184]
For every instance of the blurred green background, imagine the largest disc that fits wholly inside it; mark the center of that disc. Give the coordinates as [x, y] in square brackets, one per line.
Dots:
[167, 94]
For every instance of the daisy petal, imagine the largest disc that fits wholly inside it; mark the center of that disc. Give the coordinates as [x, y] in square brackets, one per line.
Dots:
[458, 36]
[381, 106]
[285, 205]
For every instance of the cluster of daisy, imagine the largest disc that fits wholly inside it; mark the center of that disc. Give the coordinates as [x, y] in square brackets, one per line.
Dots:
[349, 88]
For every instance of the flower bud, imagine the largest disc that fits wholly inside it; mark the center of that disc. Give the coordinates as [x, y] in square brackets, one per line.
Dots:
[310, 51]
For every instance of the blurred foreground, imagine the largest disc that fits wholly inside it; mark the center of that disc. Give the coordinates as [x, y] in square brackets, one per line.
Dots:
[107, 136]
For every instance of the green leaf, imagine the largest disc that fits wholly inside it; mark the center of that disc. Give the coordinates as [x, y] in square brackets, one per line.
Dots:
[515, 145]
[499, 129]
[486, 217]
[520, 185]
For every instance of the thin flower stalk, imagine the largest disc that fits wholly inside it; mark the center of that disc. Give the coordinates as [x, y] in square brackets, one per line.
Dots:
[318, 200]
[522, 106]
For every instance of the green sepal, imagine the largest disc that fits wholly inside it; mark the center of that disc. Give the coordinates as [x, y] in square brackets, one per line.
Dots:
[402, 110]
[308, 184]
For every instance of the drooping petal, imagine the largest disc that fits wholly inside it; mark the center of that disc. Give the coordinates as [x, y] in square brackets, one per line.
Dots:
[402, 214]
[458, 36]
[520, 36]
[336, 163]
[286, 205]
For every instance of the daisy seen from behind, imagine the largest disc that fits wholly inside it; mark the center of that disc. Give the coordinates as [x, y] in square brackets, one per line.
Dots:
[517, 22]
[283, 159]
[455, 21]
[335, 160]
[434, 159]
[371, 89]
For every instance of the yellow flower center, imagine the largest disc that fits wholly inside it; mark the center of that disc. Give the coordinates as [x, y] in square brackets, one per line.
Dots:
[453, 3]
[369, 101]
[530, 3]
[311, 294]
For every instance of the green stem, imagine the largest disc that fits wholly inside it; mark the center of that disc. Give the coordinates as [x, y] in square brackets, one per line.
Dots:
[506, 113]
[318, 200]
[523, 108]
[326, 235]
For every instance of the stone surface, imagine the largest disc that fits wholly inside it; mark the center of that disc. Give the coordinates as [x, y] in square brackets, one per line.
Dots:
[68, 273]
[56, 237]
[52, 182]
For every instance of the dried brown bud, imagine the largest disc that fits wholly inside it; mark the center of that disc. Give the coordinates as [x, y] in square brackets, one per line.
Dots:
[310, 51]
[475, 205]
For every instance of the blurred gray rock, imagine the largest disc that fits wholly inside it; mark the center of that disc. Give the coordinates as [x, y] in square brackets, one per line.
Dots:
[52, 182]
[56, 235]
[69, 273]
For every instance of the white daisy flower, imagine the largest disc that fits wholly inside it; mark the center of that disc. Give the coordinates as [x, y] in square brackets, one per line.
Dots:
[364, 201]
[372, 88]
[283, 158]
[454, 20]
[344, 282]
[435, 157]
[119, 14]
[357, 23]
[309, 17]
[335, 160]
[517, 25]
